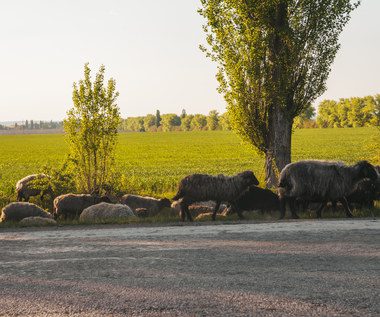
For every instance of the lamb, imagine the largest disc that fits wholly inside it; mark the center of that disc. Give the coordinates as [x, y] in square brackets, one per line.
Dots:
[256, 198]
[72, 205]
[28, 187]
[19, 210]
[320, 181]
[152, 205]
[203, 187]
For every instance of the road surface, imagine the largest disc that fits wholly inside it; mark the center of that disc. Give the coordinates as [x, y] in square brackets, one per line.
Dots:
[300, 268]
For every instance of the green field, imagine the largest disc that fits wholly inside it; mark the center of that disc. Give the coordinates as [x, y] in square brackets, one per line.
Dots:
[153, 163]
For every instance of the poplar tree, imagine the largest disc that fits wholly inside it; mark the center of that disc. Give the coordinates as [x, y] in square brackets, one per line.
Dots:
[274, 57]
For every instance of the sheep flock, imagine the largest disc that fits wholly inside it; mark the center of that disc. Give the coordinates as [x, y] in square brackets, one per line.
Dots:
[309, 184]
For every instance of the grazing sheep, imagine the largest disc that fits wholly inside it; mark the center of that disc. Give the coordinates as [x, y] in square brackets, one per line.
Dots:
[364, 194]
[321, 181]
[106, 211]
[256, 198]
[28, 187]
[202, 187]
[37, 222]
[152, 205]
[20, 210]
[71, 205]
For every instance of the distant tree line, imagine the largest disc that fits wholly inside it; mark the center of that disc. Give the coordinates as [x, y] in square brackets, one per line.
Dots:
[174, 122]
[345, 113]
[33, 125]
[349, 112]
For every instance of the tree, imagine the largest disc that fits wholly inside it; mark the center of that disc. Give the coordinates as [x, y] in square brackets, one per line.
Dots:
[169, 121]
[183, 113]
[224, 121]
[186, 122]
[158, 118]
[149, 122]
[91, 127]
[274, 57]
[199, 122]
[213, 120]
[305, 118]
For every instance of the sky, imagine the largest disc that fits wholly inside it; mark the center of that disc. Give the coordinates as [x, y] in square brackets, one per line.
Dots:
[151, 48]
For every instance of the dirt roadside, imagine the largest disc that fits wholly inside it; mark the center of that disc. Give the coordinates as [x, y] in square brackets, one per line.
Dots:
[291, 268]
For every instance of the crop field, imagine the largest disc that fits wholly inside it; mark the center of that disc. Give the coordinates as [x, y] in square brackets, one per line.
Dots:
[153, 163]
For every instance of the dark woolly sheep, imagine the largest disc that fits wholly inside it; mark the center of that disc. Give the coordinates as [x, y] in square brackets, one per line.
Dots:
[364, 194]
[72, 205]
[256, 198]
[321, 181]
[29, 187]
[152, 205]
[202, 187]
[20, 210]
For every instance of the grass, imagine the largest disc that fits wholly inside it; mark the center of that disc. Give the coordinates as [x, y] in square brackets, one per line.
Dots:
[153, 163]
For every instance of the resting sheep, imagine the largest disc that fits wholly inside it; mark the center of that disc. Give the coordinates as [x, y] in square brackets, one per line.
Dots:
[105, 211]
[256, 198]
[71, 205]
[28, 187]
[19, 210]
[321, 181]
[202, 187]
[152, 205]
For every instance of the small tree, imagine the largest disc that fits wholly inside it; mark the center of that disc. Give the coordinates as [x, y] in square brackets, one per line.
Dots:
[158, 118]
[199, 122]
[149, 122]
[169, 121]
[213, 120]
[91, 127]
[186, 122]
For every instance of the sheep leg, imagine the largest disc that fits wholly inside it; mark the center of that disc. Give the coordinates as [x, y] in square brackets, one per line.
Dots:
[185, 211]
[346, 207]
[292, 204]
[282, 207]
[319, 210]
[215, 210]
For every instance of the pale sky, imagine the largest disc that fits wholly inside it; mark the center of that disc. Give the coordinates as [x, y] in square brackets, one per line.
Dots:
[150, 47]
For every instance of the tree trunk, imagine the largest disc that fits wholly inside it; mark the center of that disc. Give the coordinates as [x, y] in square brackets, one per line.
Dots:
[278, 154]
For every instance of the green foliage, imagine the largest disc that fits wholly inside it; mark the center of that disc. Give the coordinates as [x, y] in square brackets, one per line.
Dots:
[170, 121]
[224, 122]
[158, 118]
[186, 122]
[91, 127]
[199, 122]
[213, 120]
[149, 122]
[349, 112]
[305, 119]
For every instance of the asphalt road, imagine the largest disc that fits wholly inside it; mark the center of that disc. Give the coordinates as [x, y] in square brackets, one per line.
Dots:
[301, 268]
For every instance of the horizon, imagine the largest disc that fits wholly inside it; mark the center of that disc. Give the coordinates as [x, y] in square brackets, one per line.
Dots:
[45, 54]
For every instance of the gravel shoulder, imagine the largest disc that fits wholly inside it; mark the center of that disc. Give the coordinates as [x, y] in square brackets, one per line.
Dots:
[290, 268]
